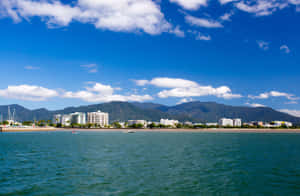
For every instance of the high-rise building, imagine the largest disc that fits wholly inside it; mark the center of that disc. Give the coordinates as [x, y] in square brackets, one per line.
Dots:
[78, 118]
[57, 119]
[66, 120]
[237, 122]
[98, 118]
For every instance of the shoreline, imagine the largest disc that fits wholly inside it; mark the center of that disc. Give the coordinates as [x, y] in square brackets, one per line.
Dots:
[213, 130]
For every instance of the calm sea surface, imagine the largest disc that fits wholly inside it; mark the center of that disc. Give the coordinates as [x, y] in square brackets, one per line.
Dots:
[96, 163]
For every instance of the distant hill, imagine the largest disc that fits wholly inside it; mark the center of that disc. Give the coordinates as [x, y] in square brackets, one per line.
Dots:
[192, 111]
[212, 112]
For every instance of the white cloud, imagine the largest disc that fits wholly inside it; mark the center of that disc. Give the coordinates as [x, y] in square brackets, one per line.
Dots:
[114, 15]
[184, 100]
[202, 22]
[266, 95]
[291, 102]
[291, 112]
[285, 49]
[227, 16]
[91, 68]
[186, 88]
[101, 88]
[172, 82]
[263, 45]
[141, 82]
[29, 67]
[178, 32]
[200, 36]
[255, 105]
[226, 1]
[198, 91]
[261, 7]
[190, 4]
[28, 92]
[103, 93]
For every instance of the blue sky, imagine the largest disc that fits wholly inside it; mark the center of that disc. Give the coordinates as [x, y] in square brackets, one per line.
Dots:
[56, 54]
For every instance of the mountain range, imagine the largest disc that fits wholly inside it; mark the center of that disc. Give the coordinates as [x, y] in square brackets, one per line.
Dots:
[192, 111]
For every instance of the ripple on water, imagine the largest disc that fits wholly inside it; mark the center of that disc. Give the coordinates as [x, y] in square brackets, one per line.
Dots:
[149, 164]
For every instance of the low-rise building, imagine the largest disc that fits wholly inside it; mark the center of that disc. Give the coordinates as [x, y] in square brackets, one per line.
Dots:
[168, 122]
[137, 122]
[211, 124]
[224, 122]
[282, 123]
[188, 123]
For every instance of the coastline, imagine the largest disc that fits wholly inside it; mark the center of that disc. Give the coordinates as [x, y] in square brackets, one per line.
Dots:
[219, 130]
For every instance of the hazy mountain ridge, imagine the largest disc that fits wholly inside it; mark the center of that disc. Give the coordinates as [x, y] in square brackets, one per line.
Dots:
[192, 111]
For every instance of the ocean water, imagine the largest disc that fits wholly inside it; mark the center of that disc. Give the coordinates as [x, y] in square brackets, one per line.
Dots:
[97, 163]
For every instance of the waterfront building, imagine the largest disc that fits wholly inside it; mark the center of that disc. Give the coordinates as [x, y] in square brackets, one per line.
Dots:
[168, 122]
[226, 122]
[258, 123]
[211, 124]
[282, 123]
[237, 122]
[136, 122]
[78, 118]
[188, 123]
[66, 120]
[98, 118]
[57, 119]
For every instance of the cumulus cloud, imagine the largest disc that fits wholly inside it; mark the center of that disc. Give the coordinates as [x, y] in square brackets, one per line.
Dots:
[285, 49]
[28, 92]
[263, 44]
[91, 68]
[295, 113]
[255, 105]
[167, 82]
[103, 93]
[178, 87]
[114, 15]
[190, 4]
[202, 22]
[267, 95]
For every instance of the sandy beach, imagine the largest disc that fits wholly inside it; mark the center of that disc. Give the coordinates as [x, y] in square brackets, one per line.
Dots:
[219, 130]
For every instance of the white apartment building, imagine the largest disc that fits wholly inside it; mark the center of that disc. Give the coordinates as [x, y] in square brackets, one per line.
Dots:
[237, 122]
[280, 123]
[211, 124]
[66, 120]
[98, 118]
[226, 122]
[57, 119]
[168, 122]
[136, 122]
[78, 118]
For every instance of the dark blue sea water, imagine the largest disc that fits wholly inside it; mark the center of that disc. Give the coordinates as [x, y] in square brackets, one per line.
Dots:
[95, 163]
